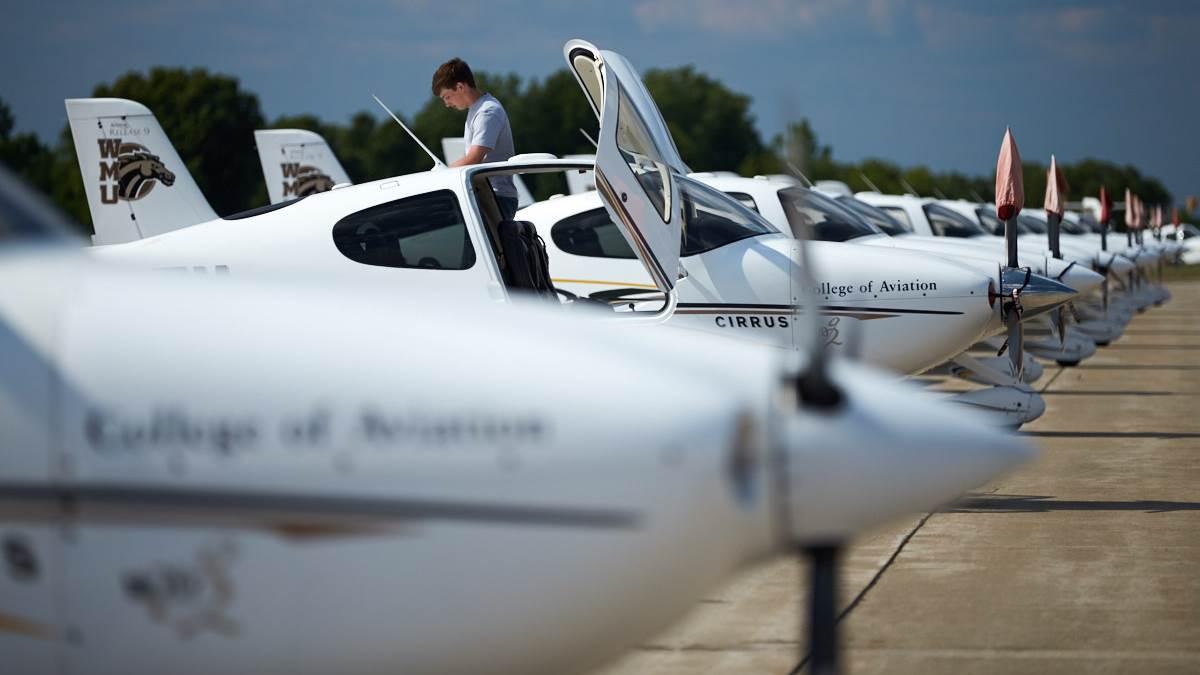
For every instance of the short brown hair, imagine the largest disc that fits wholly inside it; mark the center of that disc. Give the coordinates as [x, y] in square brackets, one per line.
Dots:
[451, 73]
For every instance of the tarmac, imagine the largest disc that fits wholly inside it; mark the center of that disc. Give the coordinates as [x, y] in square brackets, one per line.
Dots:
[1086, 560]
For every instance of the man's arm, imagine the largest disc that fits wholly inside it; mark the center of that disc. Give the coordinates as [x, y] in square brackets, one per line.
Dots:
[474, 155]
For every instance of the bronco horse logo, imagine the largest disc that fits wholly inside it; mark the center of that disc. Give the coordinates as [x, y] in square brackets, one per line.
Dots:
[305, 180]
[133, 167]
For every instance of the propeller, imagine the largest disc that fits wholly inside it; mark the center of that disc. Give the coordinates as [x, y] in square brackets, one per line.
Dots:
[816, 391]
[1010, 196]
[1013, 281]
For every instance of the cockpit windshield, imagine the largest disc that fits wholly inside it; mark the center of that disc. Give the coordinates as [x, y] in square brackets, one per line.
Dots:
[948, 223]
[711, 220]
[1074, 227]
[825, 219]
[989, 219]
[874, 216]
[1030, 225]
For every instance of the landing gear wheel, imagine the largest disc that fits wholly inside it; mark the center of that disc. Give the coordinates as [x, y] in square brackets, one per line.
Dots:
[1068, 364]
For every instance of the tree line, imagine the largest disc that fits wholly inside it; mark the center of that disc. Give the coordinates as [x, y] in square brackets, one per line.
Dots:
[210, 119]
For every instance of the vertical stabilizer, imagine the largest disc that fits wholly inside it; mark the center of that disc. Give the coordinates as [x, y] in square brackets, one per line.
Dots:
[137, 186]
[297, 163]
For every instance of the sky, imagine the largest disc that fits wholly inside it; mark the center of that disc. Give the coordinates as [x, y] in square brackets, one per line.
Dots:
[931, 82]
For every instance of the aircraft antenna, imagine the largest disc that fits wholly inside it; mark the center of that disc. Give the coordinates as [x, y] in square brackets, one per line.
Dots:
[796, 172]
[938, 193]
[871, 185]
[436, 162]
[911, 189]
[589, 137]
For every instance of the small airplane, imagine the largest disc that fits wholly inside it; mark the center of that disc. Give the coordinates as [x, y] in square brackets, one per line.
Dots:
[236, 474]
[933, 308]
[584, 242]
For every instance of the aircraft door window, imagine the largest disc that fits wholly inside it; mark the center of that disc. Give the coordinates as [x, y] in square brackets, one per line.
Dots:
[424, 232]
[645, 160]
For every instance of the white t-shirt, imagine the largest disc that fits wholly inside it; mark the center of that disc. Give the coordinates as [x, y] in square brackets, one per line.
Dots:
[487, 126]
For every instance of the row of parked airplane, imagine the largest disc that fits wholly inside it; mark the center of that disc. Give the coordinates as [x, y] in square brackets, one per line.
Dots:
[373, 427]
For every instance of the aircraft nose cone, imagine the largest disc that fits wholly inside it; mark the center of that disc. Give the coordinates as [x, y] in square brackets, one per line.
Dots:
[889, 450]
[1081, 279]
[1120, 265]
[1039, 294]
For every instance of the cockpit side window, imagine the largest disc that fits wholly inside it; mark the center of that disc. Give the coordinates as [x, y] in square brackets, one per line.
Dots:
[591, 234]
[426, 231]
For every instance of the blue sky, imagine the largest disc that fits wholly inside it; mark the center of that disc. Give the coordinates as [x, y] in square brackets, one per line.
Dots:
[912, 81]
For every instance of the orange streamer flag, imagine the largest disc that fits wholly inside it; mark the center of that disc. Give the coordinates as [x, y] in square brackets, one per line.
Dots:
[1105, 205]
[1054, 190]
[1010, 186]
[1130, 210]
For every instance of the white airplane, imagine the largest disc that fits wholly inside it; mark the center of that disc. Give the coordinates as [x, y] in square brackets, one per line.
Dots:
[790, 206]
[457, 248]
[927, 217]
[207, 475]
[590, 258]
[1188, 236]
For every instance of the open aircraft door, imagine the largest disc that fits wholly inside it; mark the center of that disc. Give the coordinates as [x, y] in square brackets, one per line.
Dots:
[637, 164]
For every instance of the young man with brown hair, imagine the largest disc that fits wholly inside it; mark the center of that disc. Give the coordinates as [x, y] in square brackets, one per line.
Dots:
[486, 134]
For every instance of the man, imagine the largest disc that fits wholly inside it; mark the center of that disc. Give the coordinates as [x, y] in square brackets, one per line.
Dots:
[486, 135]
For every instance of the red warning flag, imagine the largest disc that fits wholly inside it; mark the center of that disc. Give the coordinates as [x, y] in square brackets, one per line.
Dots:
[1105, 205]
[1130, 210]
[1010, 185]
[1054, 195]
[1175, 216]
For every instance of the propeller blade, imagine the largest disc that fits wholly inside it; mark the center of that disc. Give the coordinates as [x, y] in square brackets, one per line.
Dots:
[1060, 325]
[1016, 344]
[822, 611]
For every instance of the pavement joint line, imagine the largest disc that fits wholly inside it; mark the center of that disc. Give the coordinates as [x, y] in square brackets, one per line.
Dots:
[1165, 435]
[870, 584]
[1061, 369]
[1034, 653]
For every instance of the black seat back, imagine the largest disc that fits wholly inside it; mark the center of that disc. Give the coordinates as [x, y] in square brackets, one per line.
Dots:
[526, 267]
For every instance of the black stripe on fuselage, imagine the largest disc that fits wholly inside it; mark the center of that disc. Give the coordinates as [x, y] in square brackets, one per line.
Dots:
[734, 308]
[220, 505]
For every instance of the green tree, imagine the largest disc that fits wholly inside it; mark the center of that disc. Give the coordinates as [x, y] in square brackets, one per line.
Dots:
[711, 124]
[23, 153]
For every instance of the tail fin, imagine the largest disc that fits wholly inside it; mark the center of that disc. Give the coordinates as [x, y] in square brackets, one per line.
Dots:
[297, 162]
[136, 184]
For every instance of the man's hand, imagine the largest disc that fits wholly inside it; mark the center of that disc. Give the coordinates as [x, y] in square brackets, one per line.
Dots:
[474, 155]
